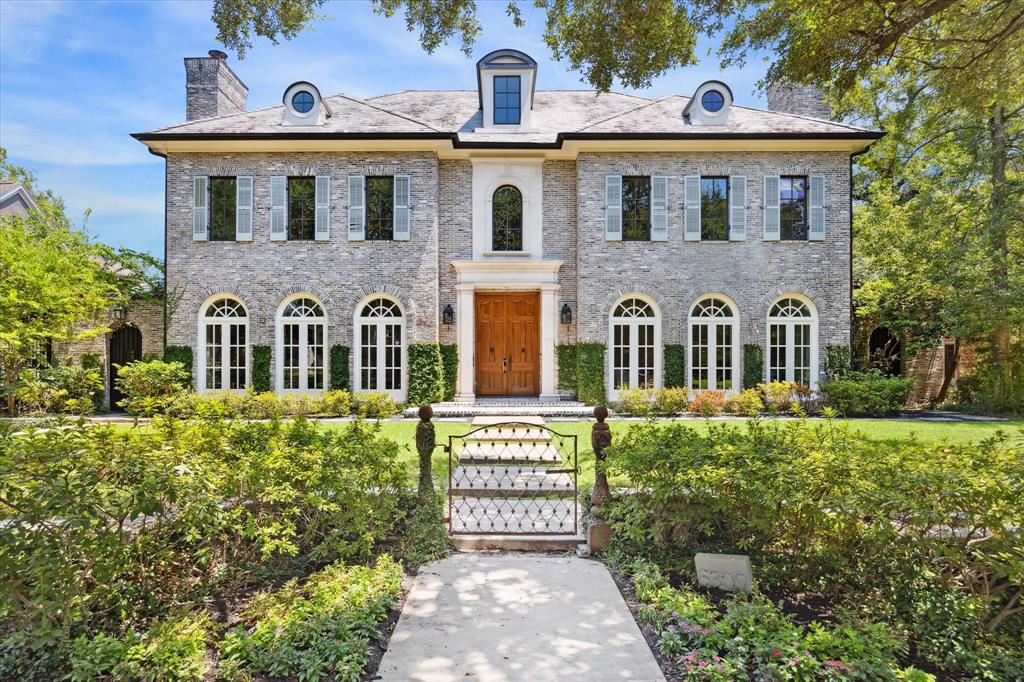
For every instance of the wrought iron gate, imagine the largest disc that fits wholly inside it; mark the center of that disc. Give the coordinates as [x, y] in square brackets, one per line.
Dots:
[512, 478]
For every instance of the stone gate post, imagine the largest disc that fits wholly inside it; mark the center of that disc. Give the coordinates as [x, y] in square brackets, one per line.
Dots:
[599, 532]
[425, 442]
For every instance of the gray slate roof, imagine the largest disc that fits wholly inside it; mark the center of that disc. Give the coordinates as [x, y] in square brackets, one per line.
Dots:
[448, 112]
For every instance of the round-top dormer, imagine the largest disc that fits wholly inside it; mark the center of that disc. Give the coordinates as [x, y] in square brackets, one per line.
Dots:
[709, 105]
[506, 80]
[303, 105]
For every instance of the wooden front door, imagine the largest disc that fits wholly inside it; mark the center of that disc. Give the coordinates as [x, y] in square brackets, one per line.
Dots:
[508, 344]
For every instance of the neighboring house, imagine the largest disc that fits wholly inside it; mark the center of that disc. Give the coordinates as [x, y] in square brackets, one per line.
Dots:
[15, 199]
[505, 219]
[135, 331]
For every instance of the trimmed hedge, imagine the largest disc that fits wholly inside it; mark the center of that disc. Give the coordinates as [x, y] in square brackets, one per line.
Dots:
[339, 367]
[182, 354]
[675, 365]
[753, 365]
[874, 396]
[590, 373]
[450, 361]
[567, 367]
[261, 369]
[426, 374]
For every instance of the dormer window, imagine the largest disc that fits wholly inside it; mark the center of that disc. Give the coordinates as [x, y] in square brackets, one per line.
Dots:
[507, 100]
[506, 80]
[302, 102]
[712, 101]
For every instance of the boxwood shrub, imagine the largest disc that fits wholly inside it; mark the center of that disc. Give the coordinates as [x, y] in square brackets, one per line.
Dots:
[261, 369]
[182, 354]
[866, 394]
[450, 360]
[590, 373]
[426, 374]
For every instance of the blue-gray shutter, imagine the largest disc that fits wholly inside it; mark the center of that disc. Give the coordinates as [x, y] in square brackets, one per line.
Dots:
[401, 208]
[659, 208]
[691, 209]
[322, 215]
[817, 209]
[278, 208]
[770, 201]
[737, 207]
[243, 208]
[356, 208]
[200, 208]
[613, 208]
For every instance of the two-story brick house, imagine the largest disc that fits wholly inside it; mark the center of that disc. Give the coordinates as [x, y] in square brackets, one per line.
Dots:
[507, 220]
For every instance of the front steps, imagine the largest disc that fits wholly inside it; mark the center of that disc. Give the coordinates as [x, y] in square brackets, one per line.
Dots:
[511, 488]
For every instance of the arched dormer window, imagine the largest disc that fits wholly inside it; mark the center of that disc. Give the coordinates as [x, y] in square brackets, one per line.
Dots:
[507, 219]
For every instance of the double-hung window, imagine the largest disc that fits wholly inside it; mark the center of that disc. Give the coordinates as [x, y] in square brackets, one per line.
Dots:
[380, 208]
[507, 100]
[714, 208]
[636, 208]
[793, 216]
[223, 203]
[301, 208]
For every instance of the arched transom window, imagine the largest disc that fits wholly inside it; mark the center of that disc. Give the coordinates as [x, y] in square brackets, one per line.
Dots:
[380, 358]
[224, 333]
[635, 342]
[793, 341]
[301, 344]
[507, 219]
[714, 353]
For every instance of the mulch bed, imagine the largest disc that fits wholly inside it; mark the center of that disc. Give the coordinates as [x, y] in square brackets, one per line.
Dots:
[379, 646]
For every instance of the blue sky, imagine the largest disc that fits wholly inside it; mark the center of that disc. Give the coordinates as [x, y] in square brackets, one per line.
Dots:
[77, 77]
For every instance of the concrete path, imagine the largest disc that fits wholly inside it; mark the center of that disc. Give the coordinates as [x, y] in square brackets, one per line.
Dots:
[504, 617]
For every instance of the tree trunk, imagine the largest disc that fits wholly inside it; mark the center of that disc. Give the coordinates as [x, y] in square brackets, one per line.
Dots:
[998, 232]
[10, 377]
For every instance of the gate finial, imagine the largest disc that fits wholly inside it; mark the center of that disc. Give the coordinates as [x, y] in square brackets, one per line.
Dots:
[425, 443]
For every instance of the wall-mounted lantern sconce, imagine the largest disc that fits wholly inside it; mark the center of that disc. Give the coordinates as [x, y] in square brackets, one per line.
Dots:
[566, 314]
[120, 312]
[448, 315]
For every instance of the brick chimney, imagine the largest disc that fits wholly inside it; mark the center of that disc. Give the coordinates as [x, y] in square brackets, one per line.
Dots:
[212, 88]
[805, 100]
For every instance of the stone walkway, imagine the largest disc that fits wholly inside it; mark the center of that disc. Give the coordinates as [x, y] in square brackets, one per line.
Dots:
[505, 617]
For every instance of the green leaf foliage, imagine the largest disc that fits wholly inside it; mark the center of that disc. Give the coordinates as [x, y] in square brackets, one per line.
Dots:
[426, 374]
[675, 365]
[260, 368]
[567, 366]
[897, 528]
[866, 395]
[450, 360]
[753, 365]
[151, 387]
[182, 354]
[339, 367]
[590, 373]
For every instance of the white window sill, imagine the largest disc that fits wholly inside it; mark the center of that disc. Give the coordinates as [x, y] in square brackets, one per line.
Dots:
[506, 254]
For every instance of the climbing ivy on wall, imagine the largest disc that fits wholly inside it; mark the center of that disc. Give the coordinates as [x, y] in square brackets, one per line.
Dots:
[567, 367]
[753, 365]
[426, 373]
[590, 373]
[182, 354]
[339, 367]
[450, 360]
[261, 369]
[675, 365]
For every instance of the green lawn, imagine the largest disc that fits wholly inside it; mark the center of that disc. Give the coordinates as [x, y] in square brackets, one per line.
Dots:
[880, 430]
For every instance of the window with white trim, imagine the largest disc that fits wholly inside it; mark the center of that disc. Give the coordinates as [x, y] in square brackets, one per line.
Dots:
[635, 344]
[714, 335]
[793, 341]
[224, 333]
[301, 344]
[380, 360]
